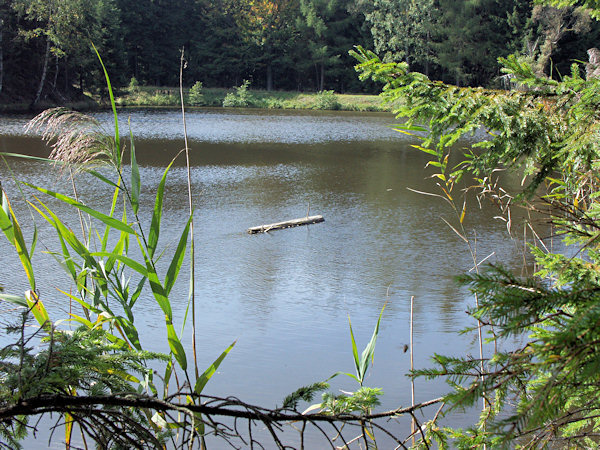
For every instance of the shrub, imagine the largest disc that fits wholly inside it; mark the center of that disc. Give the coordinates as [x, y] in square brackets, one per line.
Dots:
[196, 97]
[134, 86]
[326, 100]
[240, 98]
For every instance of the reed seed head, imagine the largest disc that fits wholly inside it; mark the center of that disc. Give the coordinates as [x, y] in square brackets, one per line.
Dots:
[78, 139]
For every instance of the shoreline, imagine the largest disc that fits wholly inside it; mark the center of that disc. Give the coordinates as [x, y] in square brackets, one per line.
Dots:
[168, 97]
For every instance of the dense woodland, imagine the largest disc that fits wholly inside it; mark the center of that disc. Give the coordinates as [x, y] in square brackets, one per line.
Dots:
[45, 45]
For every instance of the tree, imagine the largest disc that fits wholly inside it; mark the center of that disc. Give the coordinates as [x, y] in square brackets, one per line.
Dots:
[268, 25]
[554, 24]
[67, 28]
[471, 35]
[402, 30]
[331, 28]
[543, 392]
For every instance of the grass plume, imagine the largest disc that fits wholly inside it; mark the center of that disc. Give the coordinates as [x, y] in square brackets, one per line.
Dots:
[78, 139]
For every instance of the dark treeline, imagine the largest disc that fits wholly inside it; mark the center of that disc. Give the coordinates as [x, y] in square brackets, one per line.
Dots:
[276, 44]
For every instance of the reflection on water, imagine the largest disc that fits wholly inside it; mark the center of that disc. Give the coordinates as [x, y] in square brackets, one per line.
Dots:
[230, 125]
[286, 296]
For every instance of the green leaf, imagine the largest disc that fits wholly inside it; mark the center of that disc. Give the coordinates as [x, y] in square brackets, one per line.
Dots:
[158, 290]
[102, 178]
[208, 373]
[426, 150]
[138, 267]
[175, 346]
[355, 352]
[408, 127]
[113, 206]
[135, 178]
[130, 331]
[112, 103]
[12, 230]
[157, 214]
[14, 299]
[107, 220]
[178, 258]
[120, 249]
[37, 308]
[368, 354]
[34, 158]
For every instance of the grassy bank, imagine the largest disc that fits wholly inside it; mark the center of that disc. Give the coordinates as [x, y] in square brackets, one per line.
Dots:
[240, 97]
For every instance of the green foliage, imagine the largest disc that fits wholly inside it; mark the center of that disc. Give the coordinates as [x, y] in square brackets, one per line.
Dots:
[196, 97]
[362, 400]
[305, 393]
[105, 353]
[326, 100]
[543, 392]
[282, 44]
[87, 362]
[367, 357]
[240, 98]
[134, 85]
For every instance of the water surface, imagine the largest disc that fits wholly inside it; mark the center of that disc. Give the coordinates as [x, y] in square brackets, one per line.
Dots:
[286, 296]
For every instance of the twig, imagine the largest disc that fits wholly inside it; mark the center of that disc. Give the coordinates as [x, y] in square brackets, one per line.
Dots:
[412, 367]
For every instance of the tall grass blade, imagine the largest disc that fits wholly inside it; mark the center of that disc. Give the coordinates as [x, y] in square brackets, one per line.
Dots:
[357, 364]
[67, 261]
[157, 214]
[137, 292]
[107, 220]
[130, 331]
[175, 346]
[102, 178]
[130, 262]
[12, 230]
[113, 207]
[158, 291]
[368, 354]
[135, 178]
[208, 373]
[178, 258]
[113, 105]
[37, 308]
[120, 249]
[70, 238]
[14, 299]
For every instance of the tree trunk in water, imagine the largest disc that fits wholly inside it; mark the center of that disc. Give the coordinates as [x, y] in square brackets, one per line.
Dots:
[44, 72]
[269, 77]
[322, 80]
[55, 72]
[427, 56]
[1, 55]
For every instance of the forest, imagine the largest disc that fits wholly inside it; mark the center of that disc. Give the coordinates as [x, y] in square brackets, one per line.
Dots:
[294, 45]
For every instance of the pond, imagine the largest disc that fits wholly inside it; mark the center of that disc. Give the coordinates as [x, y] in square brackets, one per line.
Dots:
[286, 296]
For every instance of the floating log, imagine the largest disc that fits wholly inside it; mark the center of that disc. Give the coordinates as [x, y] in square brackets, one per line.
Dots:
[287, 224]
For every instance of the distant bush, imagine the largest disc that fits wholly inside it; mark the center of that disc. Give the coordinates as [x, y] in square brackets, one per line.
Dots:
[274, 103]
[134, 86]
[326, 100]
[196, 97]
[240, 98]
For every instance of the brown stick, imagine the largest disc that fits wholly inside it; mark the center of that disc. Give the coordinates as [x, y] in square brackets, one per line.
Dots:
[286, 224]
[412, 380]
[191, 206]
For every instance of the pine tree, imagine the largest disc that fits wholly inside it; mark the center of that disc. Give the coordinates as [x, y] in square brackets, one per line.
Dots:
[543, 392]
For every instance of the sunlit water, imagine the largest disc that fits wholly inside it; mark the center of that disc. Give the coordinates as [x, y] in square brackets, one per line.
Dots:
[286, 296]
